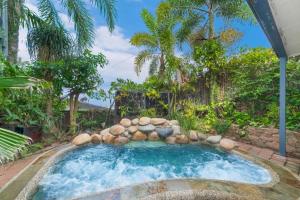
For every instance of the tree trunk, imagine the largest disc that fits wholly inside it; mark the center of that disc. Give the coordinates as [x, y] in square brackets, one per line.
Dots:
[162, 67]
[211, 23]
[14, 11]
[49, 108]
[71, 113]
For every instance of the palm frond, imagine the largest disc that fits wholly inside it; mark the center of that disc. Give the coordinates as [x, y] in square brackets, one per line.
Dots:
[48, 43]
[149, 21]
[107, 7]
[144, 39]
[140, 60]
[153, 67]
[19, 82]
[11, 144]
[82, 21]
[49, 12]
[29, 18]
[187, 26]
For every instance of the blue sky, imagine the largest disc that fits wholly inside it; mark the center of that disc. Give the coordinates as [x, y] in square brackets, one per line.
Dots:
[116, 45]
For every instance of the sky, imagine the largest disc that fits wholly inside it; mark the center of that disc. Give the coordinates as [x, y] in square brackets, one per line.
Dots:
[116, 46]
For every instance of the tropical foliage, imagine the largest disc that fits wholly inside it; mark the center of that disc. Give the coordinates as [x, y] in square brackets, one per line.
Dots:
[11, 144]
[158, 42]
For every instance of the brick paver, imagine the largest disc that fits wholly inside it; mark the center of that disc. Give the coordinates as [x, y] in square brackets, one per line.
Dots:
[267, 154]
[9, 170]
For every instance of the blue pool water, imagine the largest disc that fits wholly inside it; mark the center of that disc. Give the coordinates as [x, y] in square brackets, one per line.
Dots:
[96, 168]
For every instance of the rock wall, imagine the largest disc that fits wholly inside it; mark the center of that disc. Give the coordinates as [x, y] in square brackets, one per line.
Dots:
[267, 138]
[151, 129]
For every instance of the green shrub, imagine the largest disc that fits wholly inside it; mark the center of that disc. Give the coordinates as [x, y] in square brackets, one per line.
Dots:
[187, 122]
[241, 118]
[150, 112]
[221, 126]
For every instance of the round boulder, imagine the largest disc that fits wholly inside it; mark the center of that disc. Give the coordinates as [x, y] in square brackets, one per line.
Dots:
[227, 144]
[158, 121]
[144, 121]
[182, 139]
[81, 139]
[105, 131]
[202, 136]
[193, 135]
[108, 138]
[135, 121]
[121, 140]
[164, 132]
[174, 122]
[171, 140]
[153, 136]
[139, 136]
[117, 130]
[147, 128]
[126, 134]
[176, 130]
[214, 139]
[125, 122]
[96, 138]
[132, 129]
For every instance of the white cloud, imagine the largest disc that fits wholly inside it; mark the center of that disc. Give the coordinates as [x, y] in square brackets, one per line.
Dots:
[23, 51]
[116, 47]
[68, 24]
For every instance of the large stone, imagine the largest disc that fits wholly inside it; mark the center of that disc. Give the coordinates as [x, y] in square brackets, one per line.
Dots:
[108, 138]
[81, 139]
[193, 135]
[139, 136]
[125, 122]
[214, 139]
[117, 130]
[126, 134]
[158, 121]
[96, 138]
[105, 131]
[176, 130]
[144, 121]
[121, 140]
[132, 129]
[135, 121]
[147, 128]
[202, 136]
[153, 136]
[227, 144]
[174, 122]
[182, 139]
[170, 140]
[164, 131]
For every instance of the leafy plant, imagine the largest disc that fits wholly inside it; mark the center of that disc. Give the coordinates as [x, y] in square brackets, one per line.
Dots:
[151, 112]
[221, 126]
[241, 118]
[11, 144]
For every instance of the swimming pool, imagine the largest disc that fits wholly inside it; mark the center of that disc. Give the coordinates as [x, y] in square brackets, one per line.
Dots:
[96, 168]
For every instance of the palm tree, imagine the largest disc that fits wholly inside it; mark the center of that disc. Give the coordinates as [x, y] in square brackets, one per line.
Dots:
[48, 44]
[199, 17]
[76, 9]
[198, 28]
[158, 42]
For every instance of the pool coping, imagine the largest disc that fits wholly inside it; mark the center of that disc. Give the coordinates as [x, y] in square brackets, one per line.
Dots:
[31, 187]
[29, 190]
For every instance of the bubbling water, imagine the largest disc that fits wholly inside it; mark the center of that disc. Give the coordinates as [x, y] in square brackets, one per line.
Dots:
[97, 168]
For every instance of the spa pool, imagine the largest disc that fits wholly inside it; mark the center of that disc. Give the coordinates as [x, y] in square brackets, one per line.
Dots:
[96, 168]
